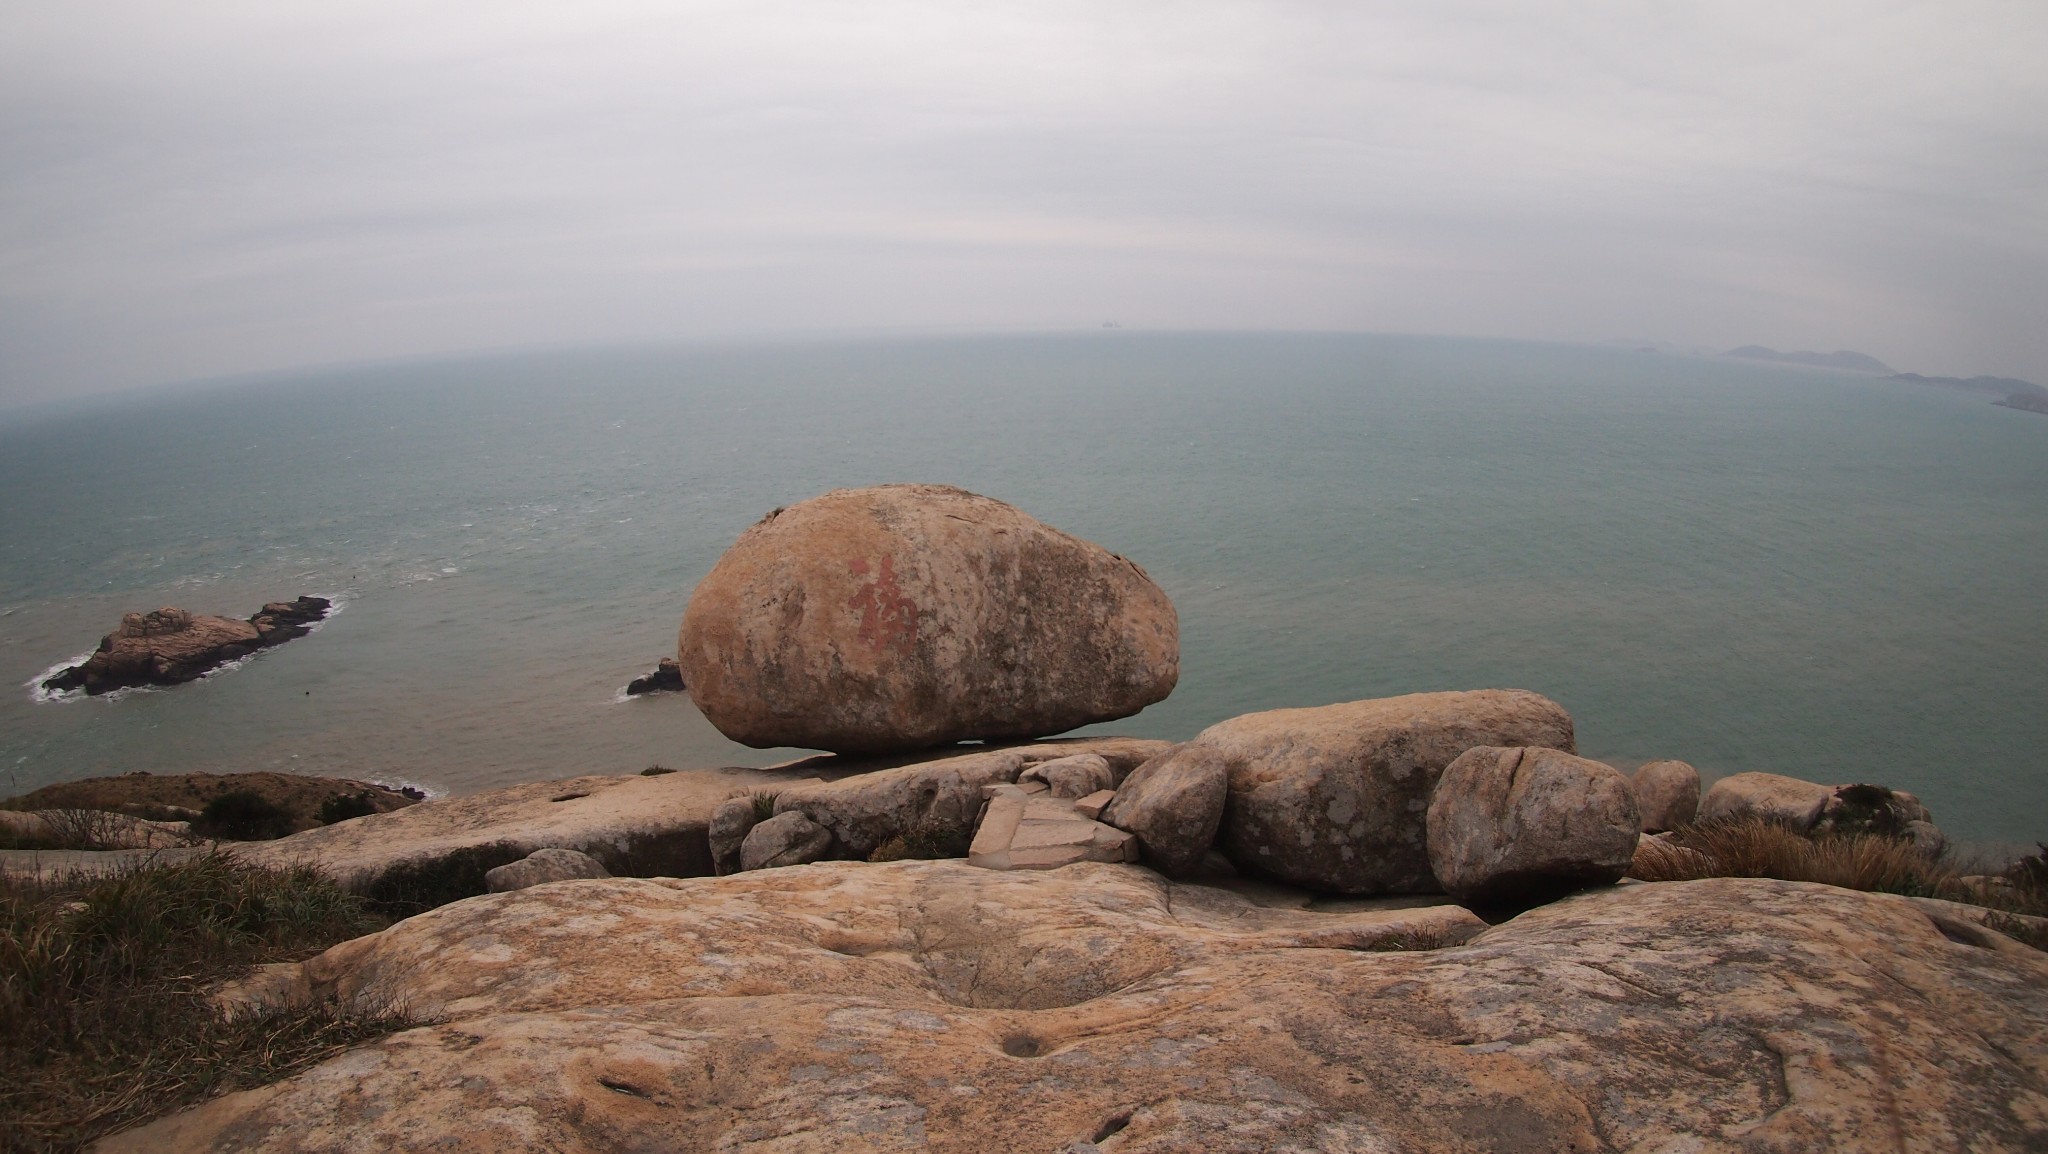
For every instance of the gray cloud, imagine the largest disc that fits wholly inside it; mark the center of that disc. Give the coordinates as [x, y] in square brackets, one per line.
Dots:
[191, 189]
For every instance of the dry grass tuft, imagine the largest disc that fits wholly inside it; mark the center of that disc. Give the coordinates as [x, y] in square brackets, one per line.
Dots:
[105, 1018]
[1761, 849]
[1857, 861]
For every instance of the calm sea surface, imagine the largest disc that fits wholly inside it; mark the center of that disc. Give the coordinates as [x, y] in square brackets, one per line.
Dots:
[1744, 566]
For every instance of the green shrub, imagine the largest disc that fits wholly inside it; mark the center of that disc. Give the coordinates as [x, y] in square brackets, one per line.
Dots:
[243, 816]
[104, 1014]
[343, 806]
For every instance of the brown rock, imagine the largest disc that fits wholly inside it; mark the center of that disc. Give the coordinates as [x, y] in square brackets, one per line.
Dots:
[1072, 777]
[730, 823]
[1667, 794]
[907, 616]
[1529, 825]
[1091, 807]
[786, 839]
[1769, 796]
[170, 646]
[941, 797]
[930, 1006]
[1173, 803]
[1021, 831]
[542, 866]
[1333, 798]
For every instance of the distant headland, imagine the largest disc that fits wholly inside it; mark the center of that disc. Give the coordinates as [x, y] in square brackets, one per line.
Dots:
[2013, 393]
[1840, 359]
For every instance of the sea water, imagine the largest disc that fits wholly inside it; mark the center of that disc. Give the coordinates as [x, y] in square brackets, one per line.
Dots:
[1744, 566]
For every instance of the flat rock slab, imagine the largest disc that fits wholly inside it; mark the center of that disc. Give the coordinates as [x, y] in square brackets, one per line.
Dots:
[931, 1006]
[637, 826]
[1042, 833]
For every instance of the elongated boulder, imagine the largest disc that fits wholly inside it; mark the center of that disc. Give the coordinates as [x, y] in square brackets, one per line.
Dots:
[905, 616]
[1173, 803]
[1771, 797]
[541, 866]
[1334, 798]
[1529, 825]
[1667, 794]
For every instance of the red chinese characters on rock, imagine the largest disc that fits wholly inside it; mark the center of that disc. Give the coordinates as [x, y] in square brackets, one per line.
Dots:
[888, 619]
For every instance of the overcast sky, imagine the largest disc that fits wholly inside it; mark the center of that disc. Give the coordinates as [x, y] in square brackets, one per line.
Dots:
[206, 187]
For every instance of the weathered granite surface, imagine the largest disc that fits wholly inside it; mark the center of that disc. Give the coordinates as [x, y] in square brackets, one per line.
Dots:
[903, 616]
[930, 1006]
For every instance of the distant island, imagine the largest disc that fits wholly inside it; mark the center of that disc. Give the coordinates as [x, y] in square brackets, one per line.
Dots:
[1840, 359]
[2013, 393]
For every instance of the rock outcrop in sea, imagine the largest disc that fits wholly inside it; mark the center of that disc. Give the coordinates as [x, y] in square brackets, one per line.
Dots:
[907, 616]
[171, 646]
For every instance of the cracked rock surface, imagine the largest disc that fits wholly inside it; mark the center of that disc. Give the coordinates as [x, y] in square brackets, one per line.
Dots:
[934, 1006]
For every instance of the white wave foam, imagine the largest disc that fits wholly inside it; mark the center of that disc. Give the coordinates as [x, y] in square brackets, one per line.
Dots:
[41, 696]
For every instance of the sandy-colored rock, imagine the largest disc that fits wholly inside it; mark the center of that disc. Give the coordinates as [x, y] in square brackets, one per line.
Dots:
[634, 826]
[1770, 796]
[1667, 794]
[1021, 831]
[542, 866]
[1173, 803]
[1072, 777]
[786, 839]
[940, 797]
[1091, 807]
[906, 616]
[1333, 798]
[1517, 825]
[930, 1006]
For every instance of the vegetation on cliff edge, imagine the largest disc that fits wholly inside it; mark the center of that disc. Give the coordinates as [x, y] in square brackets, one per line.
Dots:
[105, 1015]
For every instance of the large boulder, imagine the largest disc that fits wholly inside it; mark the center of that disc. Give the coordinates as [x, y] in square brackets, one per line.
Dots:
[931, 1006]
[1771, 797]
[1667, 794]
[1521, 826]
[542, 866]
[906, 616]
[1333, 798]
[1173, 803]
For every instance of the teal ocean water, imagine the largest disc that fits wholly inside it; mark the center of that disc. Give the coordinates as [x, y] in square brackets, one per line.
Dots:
[1740, 565]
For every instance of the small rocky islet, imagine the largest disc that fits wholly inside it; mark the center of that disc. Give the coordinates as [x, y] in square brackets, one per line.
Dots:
[171, 646]
[1382, 925]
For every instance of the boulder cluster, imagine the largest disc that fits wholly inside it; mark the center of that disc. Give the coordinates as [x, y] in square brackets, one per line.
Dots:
[906, 616]
[171, 646]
